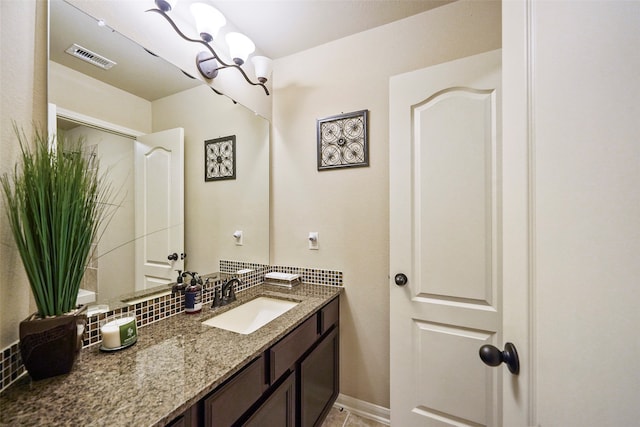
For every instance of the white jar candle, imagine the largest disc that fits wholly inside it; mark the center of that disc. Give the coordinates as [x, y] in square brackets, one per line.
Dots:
[118, 333]
[110, 335]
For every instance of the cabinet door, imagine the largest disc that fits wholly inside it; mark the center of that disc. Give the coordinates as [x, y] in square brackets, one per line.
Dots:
[279, 409]
[179, 422]
[330, 315]
[284, 354]
[228, 403]
[189, 418]
[319, 381]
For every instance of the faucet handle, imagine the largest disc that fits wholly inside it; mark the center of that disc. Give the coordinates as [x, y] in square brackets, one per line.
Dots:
[217, 299]
[230, 289]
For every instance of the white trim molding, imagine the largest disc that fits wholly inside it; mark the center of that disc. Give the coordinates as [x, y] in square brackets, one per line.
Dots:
[364, 409]
[92, 122]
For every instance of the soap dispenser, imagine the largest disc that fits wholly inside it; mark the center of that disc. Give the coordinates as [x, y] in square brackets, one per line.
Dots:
[193, 295]
[179, 286]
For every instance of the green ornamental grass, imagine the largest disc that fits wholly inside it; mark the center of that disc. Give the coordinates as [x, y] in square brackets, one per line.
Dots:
[56, 203]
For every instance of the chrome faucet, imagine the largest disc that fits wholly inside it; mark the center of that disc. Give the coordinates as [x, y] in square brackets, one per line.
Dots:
[227, 293]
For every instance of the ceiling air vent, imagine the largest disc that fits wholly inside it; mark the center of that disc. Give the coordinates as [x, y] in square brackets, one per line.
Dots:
[90, 57]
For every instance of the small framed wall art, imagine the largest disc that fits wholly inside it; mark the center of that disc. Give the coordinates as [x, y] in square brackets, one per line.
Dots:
[343, 140]
[220, 158]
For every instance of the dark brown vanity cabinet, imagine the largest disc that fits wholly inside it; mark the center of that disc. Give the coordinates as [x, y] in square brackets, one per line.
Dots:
[188, 419]
[230, 401]
[279, 409]
[318, 374]
[285, 353]
[292, 384]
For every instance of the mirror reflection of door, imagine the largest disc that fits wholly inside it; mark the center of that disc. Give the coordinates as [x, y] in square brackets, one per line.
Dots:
[159, 182]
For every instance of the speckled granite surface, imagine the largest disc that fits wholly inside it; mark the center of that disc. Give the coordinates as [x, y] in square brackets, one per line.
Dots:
[175, 362]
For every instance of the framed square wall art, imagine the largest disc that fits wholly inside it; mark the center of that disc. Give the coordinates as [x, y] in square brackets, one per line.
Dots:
[343, 140]
[220, 158]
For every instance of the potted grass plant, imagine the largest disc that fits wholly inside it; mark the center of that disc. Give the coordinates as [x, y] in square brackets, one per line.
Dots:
[56, 202]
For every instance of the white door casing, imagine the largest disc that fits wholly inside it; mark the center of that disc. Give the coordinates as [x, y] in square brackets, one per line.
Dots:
[159, 169]
[518, 221]
[571, 132]
[446, 223]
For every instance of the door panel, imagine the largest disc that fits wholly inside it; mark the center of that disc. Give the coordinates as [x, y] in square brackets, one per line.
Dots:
[445, 233]
[159, 160]
[468, 392]
[453, 182]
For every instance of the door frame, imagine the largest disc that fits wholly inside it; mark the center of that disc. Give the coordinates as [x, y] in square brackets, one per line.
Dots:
[518, 203]
[55, 111]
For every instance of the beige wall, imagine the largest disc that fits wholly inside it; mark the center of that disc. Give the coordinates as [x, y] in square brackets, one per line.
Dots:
[80, 93]
[349, 207]
[23, 95]
[214, 210]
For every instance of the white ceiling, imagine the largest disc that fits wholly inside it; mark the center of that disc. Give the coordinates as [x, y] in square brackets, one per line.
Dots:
[278, 28]
[136, 72]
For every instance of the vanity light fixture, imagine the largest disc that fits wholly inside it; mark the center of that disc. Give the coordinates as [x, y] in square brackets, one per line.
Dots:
[209, 21]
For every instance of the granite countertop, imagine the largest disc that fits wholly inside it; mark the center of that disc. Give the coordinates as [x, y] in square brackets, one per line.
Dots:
[175, 362]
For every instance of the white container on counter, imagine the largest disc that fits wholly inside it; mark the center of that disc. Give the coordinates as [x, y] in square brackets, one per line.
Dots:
[118, 333]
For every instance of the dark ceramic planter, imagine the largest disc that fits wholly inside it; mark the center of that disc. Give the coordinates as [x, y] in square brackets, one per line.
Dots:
[49, 346]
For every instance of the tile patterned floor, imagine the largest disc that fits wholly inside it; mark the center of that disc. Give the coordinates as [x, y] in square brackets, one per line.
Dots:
[344, 418]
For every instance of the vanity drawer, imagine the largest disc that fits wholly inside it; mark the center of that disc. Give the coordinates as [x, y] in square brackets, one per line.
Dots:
[230, 401]
[289, 349]
[329, 315]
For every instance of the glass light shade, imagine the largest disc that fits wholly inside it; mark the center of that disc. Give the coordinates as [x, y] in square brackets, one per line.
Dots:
[240, 47]
[209, 20]
[262, 66]
[166, 5]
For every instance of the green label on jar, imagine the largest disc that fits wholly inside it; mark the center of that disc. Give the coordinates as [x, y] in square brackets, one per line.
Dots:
[128, 333]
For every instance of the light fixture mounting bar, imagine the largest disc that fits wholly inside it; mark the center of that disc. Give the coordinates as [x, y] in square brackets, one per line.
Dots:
[222, 64]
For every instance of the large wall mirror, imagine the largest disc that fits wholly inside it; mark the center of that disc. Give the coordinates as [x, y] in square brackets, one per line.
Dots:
[141, 95]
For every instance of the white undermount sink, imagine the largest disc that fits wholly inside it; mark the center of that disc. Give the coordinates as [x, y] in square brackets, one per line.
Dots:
[251, 315]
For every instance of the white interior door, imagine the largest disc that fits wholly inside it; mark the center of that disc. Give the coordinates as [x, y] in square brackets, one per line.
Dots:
[159, 169]
[446, 230]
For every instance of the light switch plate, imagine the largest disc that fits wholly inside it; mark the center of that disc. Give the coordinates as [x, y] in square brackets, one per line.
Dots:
[313, 240]
[238, 235]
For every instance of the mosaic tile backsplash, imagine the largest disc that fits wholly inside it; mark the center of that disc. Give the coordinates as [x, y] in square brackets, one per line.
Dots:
[153, 310]
[11, 366]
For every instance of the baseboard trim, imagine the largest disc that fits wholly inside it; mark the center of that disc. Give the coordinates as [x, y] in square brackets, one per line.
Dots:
[364, 409]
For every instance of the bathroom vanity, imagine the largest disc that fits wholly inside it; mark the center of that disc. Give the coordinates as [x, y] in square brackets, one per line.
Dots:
[182, 372]
[293, 383]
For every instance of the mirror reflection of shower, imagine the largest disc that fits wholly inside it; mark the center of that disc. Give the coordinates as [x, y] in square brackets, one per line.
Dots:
[112, 259]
